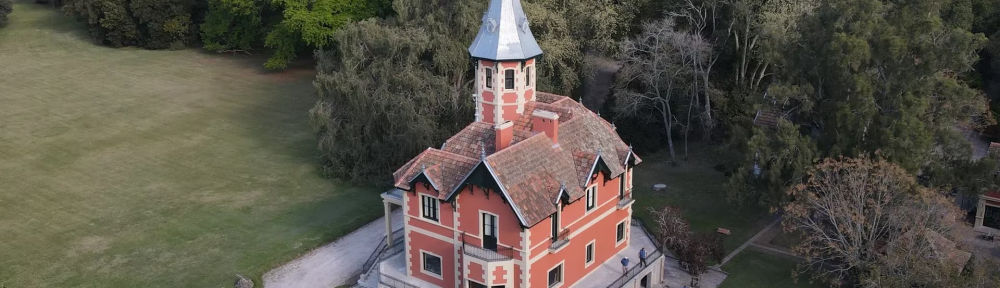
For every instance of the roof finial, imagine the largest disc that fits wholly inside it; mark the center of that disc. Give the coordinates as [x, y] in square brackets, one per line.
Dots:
[613, 126]
[482, 150]
[580, 99]
[629, 146]
[444, 144]
[598, 113]
[423, 168]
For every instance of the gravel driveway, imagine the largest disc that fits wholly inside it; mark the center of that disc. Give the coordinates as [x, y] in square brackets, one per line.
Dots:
[334, 264]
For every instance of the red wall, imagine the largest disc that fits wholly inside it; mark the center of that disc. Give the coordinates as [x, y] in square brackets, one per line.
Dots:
[419, 241]
[475, 272]
[573, 256]
[469, 205]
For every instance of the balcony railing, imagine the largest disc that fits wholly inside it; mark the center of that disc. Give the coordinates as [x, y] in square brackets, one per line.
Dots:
[489, 255]
[650, 258]
[624, 202]
[382, 252]
[560, 240]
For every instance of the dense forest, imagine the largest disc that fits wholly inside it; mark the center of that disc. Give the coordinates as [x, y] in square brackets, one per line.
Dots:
[908, 79]
[786, 88]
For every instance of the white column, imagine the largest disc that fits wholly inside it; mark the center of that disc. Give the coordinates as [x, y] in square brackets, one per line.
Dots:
[388, 223]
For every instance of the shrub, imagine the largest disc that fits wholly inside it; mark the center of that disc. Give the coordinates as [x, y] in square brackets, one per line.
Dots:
[6, 6]
[155, 24]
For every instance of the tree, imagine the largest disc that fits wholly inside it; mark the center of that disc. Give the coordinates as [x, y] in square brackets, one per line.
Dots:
[311, 24]
[857, 215]
[695, 250]
[154, 24]
[6, 6]
[656, 67]
[670, 227]
[873, 75]
[237, 24]
[381, 100]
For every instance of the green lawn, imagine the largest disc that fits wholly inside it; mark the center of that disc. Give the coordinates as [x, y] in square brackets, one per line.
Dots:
[135, 168]
[697, 189]
[753, 269]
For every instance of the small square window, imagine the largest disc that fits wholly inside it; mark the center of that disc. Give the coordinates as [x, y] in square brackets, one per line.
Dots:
[432, 263]
[430, 207]
[555, 276]
[591, 198]
[509, 79]
[489, 78]
[620, 233]
[590, 253]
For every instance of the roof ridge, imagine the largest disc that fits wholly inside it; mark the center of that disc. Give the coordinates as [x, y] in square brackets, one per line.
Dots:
[514, 147]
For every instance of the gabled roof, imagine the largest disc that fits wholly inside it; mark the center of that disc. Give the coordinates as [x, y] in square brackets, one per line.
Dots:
[444, 169]
[505, 34]
[533, 170]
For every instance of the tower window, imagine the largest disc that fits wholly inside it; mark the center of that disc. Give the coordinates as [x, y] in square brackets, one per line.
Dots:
[489, 78]
[509, 81]
[527, 76]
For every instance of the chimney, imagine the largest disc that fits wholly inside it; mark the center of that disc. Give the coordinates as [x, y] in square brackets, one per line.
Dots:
[505, 134]
[546, 121]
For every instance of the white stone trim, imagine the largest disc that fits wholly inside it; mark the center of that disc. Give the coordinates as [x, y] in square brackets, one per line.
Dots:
[496, 226]
[625, 231]
[437, 206]
[593, 253]
[562, 275]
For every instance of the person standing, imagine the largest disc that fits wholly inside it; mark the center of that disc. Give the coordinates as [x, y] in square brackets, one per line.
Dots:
[642, 257]
[624, 265]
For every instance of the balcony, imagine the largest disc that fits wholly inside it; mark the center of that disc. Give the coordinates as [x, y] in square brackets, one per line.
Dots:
[560, 241]
[489, 255]
[625, 202]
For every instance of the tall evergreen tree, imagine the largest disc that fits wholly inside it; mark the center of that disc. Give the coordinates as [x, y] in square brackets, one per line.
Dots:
[874, 75]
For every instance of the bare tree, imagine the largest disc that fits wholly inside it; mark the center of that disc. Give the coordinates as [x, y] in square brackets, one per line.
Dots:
[670, 227]
[656, 67]
[856, 215]
[694, 250]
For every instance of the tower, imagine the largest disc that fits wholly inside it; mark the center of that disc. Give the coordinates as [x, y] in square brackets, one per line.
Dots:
[504, 53]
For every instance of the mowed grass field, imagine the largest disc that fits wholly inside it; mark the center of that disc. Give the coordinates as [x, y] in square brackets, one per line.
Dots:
[135, 168]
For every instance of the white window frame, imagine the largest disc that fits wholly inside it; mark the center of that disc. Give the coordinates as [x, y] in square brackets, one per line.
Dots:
[496, 226]
[437, 208]
[527, 76]
[591, 203]
[624, 239]
[513, 79]
[592, 247]
[424, 270]
[629, 172]
[562, 275]
[489, 77]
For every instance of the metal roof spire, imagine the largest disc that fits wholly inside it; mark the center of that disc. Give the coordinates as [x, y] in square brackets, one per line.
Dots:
[505, 34]
[482, 151]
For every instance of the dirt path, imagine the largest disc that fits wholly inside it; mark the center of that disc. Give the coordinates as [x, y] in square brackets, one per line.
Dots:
[334, 264]
[750, 241]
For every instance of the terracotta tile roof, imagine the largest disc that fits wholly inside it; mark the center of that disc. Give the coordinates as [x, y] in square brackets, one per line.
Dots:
[532, 169]
[443, 168]
[946, 251]
[532, 172]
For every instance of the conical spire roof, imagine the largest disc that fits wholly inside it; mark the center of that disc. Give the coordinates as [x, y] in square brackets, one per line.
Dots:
[505, 34]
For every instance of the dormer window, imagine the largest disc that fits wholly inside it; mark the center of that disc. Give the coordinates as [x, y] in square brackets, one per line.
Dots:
[509, 79]
[591, 198]
[430, 208]
[489, 78]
